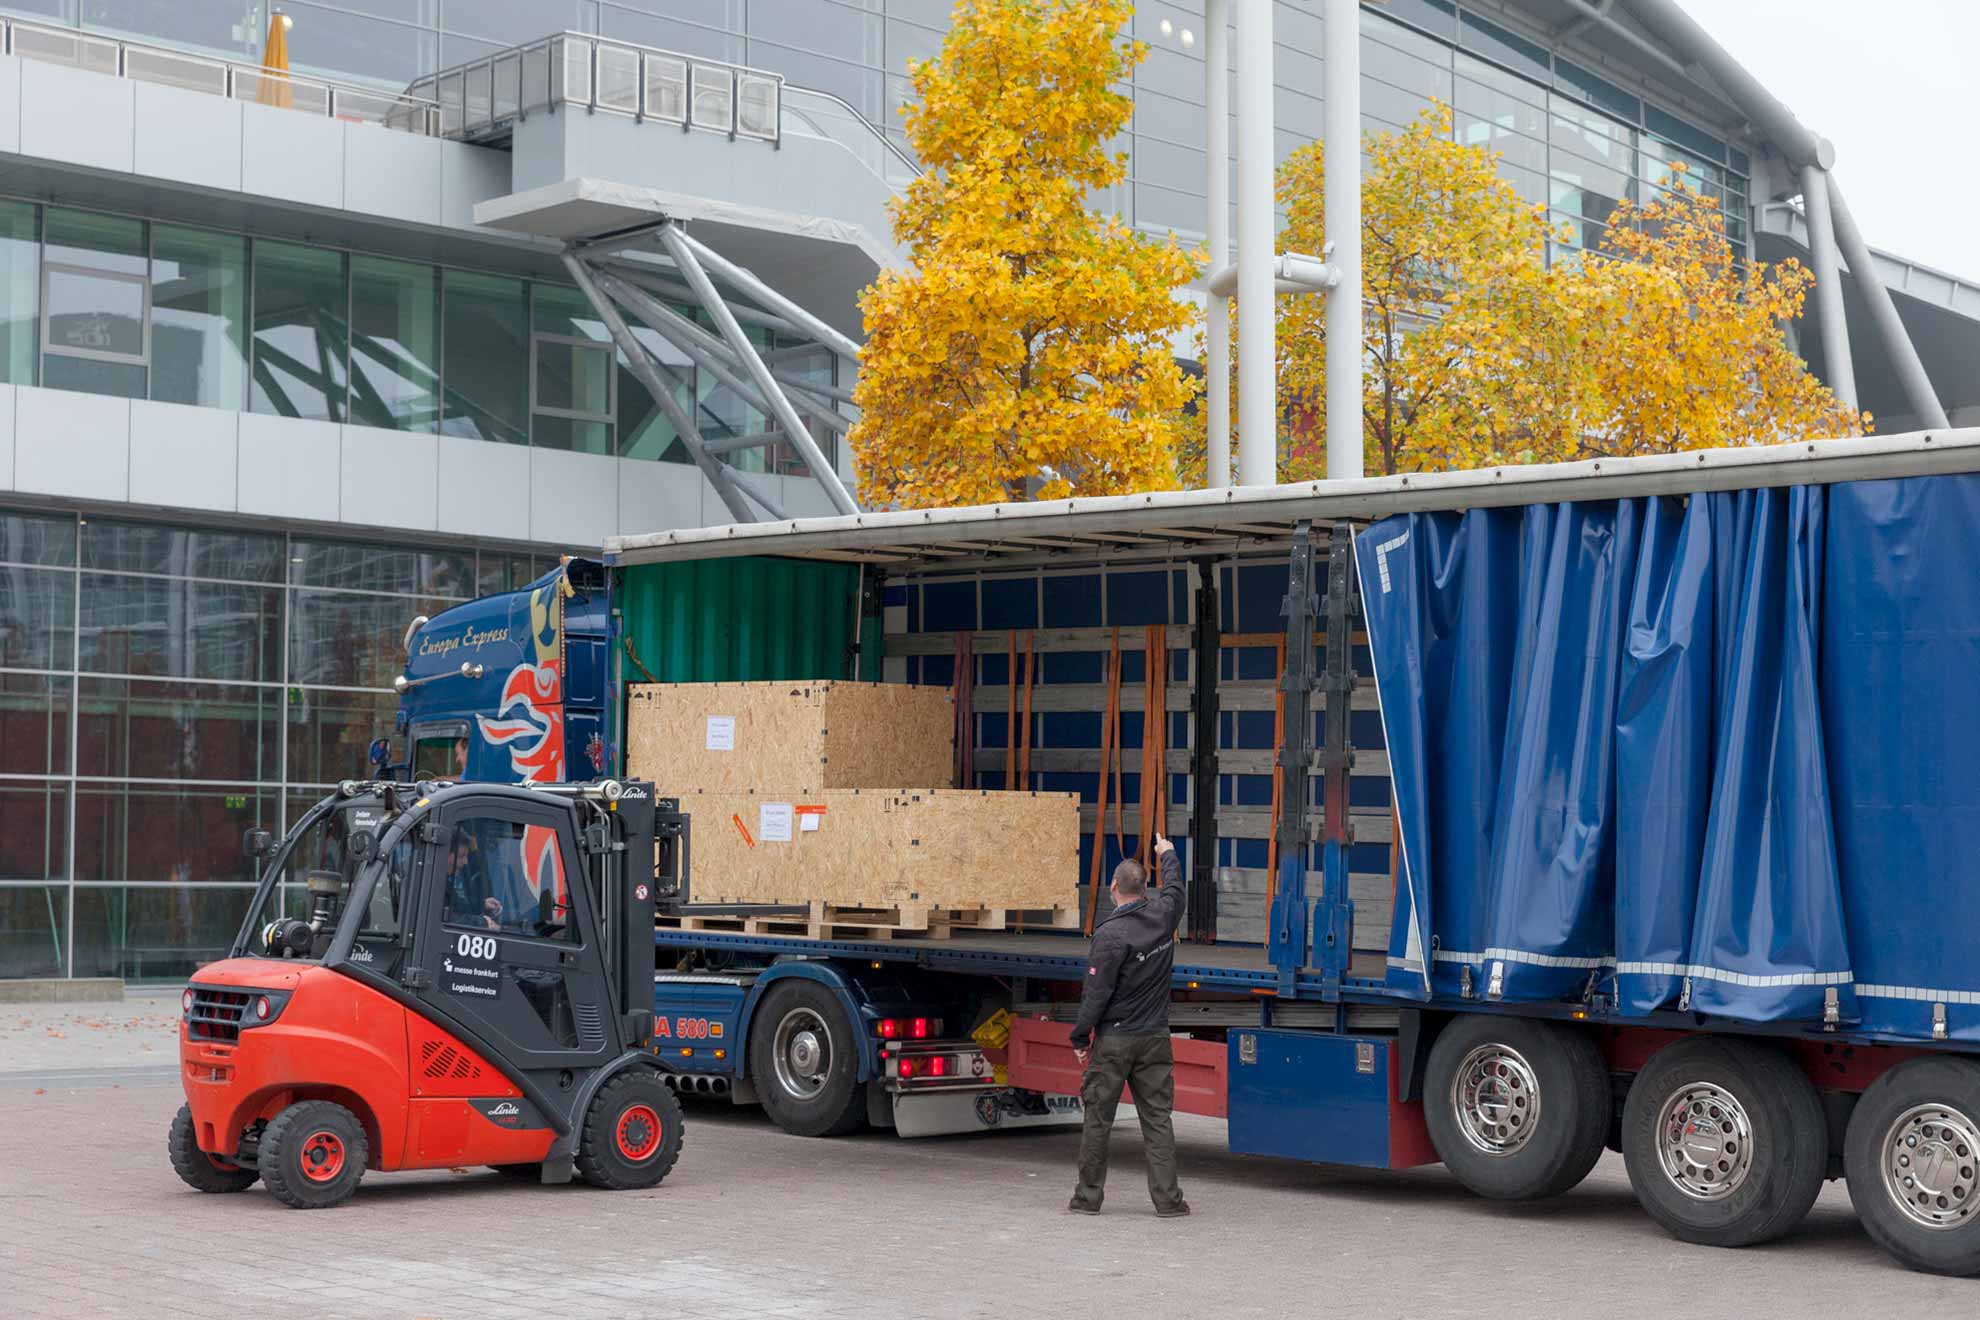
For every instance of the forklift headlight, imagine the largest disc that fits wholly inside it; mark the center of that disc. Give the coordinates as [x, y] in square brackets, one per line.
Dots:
[186, 1000]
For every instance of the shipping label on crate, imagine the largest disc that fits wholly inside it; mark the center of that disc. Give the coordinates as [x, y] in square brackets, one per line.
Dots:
[721, 733]
[773, 822]
[810, 815]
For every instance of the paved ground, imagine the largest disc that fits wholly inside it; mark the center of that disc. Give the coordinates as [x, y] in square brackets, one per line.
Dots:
[755, 1223]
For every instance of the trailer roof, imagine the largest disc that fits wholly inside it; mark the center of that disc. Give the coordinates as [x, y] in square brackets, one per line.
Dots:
[1187, 524]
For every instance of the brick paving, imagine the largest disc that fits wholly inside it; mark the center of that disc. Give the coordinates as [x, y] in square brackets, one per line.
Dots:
[93, 1223]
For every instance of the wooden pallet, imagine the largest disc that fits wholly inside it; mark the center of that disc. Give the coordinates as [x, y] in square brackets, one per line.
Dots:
[827, 921]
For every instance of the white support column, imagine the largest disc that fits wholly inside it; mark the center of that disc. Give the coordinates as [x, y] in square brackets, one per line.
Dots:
[1258, 421]
[1884, 317]
[1217, 194]
[1828, 282]
[1341, 187]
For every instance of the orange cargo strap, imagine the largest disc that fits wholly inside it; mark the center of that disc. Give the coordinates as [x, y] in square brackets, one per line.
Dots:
[1154, 742]
[1024, 746]
[1010, 721]
[1110, 721]
[1278, 779]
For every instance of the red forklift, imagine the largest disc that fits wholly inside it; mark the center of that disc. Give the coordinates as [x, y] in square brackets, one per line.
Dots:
[434, 975]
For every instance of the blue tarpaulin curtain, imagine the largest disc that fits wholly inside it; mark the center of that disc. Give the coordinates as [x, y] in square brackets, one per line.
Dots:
[1725, 747]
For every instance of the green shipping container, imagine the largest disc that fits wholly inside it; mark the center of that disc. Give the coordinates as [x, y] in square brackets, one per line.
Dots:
[735, 620]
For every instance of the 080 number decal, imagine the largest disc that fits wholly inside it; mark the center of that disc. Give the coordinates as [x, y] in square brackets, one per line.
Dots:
[475, 946]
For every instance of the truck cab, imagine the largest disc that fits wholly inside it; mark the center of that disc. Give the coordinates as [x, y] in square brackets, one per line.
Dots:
[510, 688]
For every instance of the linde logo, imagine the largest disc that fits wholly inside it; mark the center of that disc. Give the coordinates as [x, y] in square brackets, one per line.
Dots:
[471, 639]
[504, 1110]
[360, 954]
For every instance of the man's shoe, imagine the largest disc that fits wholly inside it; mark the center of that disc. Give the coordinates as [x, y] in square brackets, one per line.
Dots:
[1176, 1211]
[1078, 1207]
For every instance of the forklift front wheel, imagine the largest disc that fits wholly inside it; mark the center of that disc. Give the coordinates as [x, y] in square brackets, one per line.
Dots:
[632, 1132]
[312, 1155]
[206, 1173]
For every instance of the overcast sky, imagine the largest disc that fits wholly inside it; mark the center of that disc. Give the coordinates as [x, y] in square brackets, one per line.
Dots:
[1895, 85]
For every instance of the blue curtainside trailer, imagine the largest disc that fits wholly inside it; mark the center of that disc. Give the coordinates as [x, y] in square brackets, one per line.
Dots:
[1525, 812]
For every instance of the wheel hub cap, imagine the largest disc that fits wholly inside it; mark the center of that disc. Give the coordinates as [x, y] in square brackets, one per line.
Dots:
[1705, 1141]
[1496, 1098]
[1930, 1157]
[802, 1054]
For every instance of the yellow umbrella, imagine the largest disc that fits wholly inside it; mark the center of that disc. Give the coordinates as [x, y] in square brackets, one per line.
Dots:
[275, 89]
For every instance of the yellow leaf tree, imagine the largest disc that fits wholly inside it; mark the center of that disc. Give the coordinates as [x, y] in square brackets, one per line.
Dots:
[1029, 333]
[1476, 351]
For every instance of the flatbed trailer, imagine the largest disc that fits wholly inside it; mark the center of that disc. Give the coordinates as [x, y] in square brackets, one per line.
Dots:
[1393, 952]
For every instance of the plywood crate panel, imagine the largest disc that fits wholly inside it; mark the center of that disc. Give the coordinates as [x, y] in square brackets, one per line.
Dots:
[907, 849]
[817, 734]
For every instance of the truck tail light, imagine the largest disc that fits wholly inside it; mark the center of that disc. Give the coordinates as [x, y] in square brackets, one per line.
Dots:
[907, 1068]
[889, 1028]
[918, 1028]
[938, 1065]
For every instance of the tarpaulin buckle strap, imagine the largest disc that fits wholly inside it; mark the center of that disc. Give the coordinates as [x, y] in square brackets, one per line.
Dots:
[1495, 988]
[1938, 1022]
[1464, 981]
[1684, 997]
[1831, 1009]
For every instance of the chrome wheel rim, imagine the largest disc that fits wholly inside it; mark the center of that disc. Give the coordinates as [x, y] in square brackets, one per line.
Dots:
[1930, 1156]
[1705, 1141]
[1496, 1097]
[801, 1051]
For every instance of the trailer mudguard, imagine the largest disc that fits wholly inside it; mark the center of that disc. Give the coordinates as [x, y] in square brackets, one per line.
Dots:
[1542, 676]
[841, 985]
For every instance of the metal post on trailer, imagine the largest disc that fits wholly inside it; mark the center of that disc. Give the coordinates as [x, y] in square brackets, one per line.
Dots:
[1333, 922]
[1287, 935]
[1203, 768]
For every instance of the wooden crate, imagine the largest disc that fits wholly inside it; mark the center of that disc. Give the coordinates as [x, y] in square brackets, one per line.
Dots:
[818, 735]
[930, 858]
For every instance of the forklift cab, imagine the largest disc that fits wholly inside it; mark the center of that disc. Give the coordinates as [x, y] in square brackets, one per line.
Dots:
[464, 970]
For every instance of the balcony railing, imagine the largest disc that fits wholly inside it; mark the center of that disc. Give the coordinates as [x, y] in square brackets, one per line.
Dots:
[482, 100]
[241, 82]
[809, 113]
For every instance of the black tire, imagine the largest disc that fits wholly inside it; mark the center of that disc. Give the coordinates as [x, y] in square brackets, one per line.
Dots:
[815, 1092]
[1934, 1102]
[632, 1132]
[196, 1168]
[313, 1155]
[1518, 1109]
[1725, 1141]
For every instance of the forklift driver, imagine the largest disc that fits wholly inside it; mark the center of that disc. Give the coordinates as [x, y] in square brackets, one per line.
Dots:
[468, 901]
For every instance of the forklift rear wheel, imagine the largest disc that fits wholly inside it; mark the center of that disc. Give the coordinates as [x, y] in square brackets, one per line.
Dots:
[312, 1155]
[199, 1170]
[804, 1062]
[1517, 1109]
[632, 1132]
[1725, 1141]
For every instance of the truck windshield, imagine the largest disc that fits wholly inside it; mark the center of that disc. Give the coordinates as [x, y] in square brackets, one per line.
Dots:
[314, 875]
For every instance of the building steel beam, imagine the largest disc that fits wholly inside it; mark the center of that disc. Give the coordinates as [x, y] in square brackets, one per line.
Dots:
[654, 277]
[1217, 192]
[1884, 315]
[781, 407]
[642, 366]
[1828, 284]
[1693, 45]
[1258, 386]
[676, 238]
[1341, 188]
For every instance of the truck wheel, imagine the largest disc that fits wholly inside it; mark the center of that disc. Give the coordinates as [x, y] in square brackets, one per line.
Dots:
[1725, 1141]
[312, 1155]
[1911, 1155]
[1517, 1109]
[632, 1133]
[804, 1062]
[199, 1170]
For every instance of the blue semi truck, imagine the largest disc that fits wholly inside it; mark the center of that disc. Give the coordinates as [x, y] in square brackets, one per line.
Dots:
[1525, 812]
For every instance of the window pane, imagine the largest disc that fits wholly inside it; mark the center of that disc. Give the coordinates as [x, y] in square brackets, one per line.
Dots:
[20, 293]
[486, 339]
[558, 309]
[178, 730]
[37, 618]
[567, 433]
[394, 310]
[299, 298]
[27, 539]
[34, 926]
[330, 733]
[92, 376]
[644, 431]
[95, 314]
[349, 640]
[161, 934]
[573, 377]
[340, 45]
[159, 832]
[213, 26]
[34, 724]
[356, 566]
[154, 548]
[167, 627]
[34, 821]
[99, 242]
[506, 876]
[198, 317]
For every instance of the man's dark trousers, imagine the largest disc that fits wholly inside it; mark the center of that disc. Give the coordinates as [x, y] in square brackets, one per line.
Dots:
[1146, 1063]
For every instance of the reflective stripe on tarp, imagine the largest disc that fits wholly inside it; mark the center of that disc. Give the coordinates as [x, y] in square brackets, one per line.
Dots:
[1729, 745]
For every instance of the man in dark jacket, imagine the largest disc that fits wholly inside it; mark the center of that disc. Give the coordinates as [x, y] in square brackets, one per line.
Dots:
[1126, 1002]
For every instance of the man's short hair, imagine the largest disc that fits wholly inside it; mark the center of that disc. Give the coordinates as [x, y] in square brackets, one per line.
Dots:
[1131, 878]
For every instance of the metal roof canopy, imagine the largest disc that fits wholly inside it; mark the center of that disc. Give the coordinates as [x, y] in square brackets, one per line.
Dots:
[1189, 524]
